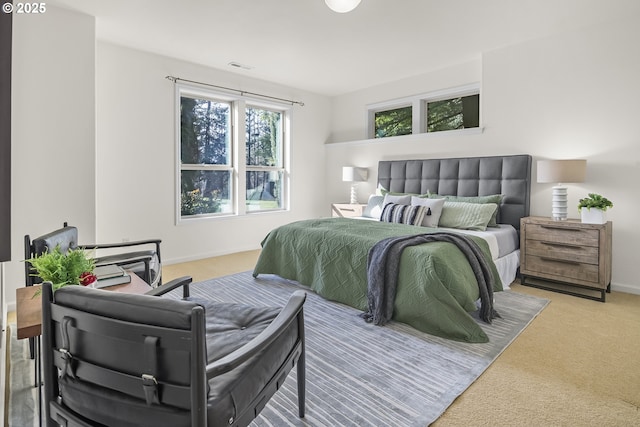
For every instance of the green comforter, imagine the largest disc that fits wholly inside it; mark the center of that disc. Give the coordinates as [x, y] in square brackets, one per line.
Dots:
[436, 286]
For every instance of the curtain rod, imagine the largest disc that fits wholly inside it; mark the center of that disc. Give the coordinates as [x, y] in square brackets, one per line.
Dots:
[241, 92]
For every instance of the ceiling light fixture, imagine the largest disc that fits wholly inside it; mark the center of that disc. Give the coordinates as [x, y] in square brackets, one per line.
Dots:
[342, 6]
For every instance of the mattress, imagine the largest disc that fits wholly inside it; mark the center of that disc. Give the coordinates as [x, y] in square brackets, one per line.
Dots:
[503, 244]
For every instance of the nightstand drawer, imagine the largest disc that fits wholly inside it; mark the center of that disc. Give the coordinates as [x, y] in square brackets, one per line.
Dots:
[347, 210]
[562, 233]
[563, 269]
[562, 251]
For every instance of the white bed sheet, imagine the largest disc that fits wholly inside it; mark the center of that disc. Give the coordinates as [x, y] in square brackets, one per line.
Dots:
[503, 245]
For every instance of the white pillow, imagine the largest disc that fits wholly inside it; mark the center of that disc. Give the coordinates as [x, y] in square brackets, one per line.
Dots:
[374, 207]
[433, 210]
[404, 199]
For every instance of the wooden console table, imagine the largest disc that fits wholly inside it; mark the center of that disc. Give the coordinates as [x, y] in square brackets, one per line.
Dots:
[29, 308]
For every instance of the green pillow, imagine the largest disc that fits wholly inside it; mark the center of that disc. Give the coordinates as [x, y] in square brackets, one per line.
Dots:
[466, 216]
[494, 198]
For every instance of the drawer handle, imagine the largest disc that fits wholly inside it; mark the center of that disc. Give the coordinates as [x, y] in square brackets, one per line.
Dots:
[552, 227]
[348, 210]
[562, 245]
[560, 260]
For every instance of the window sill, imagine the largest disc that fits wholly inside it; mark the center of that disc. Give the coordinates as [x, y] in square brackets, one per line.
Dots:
[414, 137]
[228, 216]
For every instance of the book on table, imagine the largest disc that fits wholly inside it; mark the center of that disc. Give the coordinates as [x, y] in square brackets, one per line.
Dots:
[110, 275]
[108, 271]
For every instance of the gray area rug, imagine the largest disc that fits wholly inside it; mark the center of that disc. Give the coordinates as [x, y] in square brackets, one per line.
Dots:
[358, 374]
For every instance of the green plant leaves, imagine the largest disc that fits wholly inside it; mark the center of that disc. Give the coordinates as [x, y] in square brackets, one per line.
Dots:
[62, 269]
[595, 201]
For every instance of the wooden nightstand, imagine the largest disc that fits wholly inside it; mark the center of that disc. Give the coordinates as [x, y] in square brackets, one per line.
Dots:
[567, 252]
[347, 210]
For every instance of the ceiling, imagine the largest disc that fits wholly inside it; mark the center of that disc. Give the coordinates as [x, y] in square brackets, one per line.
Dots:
[305, 45]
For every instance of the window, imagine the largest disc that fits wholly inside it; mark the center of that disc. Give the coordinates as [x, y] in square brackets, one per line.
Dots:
[394, 122]
[205, 154]
[462, 112]
[213, 179]
[265, 171]
[447, 110]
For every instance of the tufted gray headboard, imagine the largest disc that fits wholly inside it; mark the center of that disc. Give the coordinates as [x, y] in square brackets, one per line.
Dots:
[468, 176]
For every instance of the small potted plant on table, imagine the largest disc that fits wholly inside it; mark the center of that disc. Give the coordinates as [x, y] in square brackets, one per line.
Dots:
[592, 208]
[74, 267]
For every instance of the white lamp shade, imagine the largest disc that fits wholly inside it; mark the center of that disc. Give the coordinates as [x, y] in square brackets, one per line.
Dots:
[566, 171]
[559, 171]
[342, 6]
[353, 174]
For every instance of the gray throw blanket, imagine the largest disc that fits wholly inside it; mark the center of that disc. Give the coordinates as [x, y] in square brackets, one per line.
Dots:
[383, 267]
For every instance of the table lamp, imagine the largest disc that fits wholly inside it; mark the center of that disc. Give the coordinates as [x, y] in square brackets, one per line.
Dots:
[354, 175]
[561, 171]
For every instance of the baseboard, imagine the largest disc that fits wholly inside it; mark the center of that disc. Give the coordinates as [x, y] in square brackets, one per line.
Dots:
[207, 255]
[627, 289]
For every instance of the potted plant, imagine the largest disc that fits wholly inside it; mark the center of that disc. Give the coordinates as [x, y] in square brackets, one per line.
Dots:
[592, 208]
[75, 267]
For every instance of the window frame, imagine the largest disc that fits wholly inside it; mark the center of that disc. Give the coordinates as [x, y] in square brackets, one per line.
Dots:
[278, 168]
[419, 109]
[237, 147]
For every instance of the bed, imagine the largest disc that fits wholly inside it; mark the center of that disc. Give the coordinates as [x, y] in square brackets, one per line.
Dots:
[437, 291]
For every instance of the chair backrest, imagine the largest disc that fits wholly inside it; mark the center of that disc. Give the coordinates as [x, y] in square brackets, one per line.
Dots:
[66, 238]
[140, 357]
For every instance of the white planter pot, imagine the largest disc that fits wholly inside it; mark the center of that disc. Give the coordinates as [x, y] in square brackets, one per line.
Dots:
[592, 216]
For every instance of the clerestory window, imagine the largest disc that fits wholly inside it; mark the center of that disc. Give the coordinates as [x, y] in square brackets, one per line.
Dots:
[448, 110]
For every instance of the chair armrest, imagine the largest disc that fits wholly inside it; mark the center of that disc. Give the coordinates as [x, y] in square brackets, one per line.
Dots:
[122, 244]
[125, 258]
[155, 242]
[287, 315]
[175, 283]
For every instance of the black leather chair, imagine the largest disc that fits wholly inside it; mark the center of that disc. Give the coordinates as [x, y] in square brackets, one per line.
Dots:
[145, 261]
[117, 359]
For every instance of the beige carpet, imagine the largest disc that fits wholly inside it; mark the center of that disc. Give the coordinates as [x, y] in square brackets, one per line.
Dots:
[577, 364]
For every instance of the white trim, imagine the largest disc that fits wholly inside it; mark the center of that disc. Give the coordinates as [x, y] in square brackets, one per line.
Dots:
[4, 347]
[627, 289]
[430, 96]
[420, 137]
[239, 154]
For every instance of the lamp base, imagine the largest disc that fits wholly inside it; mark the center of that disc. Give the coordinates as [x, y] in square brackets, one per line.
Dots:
[354, 195]
[559, 203]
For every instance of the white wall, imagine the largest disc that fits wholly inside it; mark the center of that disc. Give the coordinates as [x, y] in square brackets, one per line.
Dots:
[93, 144]
[574, 95]
[136, 156]
[53, 130]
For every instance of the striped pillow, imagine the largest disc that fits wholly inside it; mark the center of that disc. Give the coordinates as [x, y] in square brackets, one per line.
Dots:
[403, 214]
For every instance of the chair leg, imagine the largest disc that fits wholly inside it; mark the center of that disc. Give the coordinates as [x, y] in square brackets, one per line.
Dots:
[301, 372]
[302, 367]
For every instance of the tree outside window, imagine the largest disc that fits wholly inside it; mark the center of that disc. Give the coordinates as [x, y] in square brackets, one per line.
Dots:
[264, 171]
[455, 113]
[205, 177]
[394, 122]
